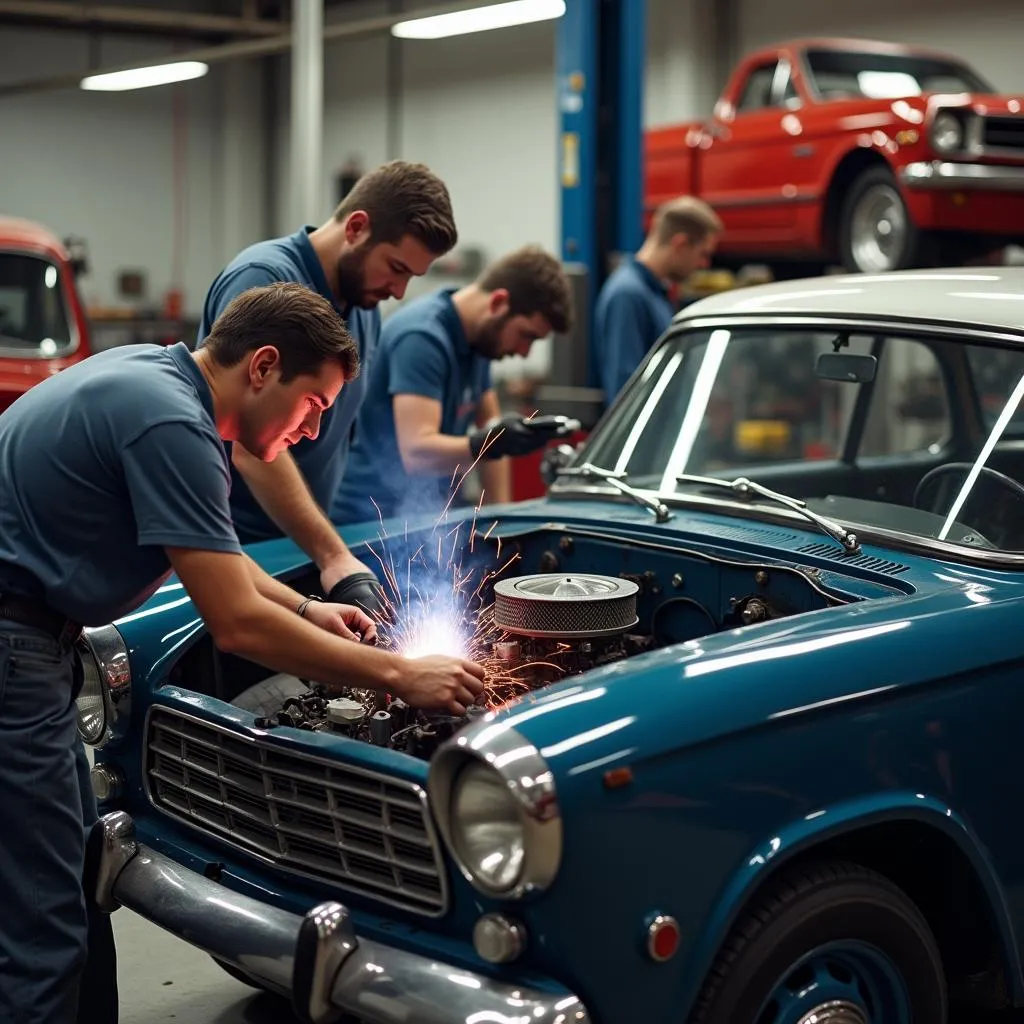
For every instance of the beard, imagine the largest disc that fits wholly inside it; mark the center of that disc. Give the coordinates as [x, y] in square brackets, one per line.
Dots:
[488, 339]
[351, 288]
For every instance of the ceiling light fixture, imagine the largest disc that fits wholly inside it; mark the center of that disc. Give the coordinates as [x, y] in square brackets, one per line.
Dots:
[479, 19]
[143, 78]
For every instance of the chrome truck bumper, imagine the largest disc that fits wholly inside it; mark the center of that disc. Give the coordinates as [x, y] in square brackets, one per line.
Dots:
[940, 174]
[328, 969]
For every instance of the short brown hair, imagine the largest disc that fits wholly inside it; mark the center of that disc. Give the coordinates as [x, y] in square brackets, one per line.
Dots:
[686, 215]
[536, 283]
[300, 323]
[404, 199]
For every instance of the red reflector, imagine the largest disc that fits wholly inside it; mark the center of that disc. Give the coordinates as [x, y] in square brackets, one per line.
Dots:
[662, 938]
[616, 777]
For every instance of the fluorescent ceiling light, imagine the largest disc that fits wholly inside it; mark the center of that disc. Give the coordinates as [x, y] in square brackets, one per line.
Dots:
[479, 19]
[142, 78]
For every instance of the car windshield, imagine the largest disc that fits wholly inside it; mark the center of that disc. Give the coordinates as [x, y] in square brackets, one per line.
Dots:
[844, 74]
[33, 317]
[915, 433]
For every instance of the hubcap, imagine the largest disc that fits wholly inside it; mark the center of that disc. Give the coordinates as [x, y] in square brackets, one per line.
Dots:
[838, 1011]
[878, 230]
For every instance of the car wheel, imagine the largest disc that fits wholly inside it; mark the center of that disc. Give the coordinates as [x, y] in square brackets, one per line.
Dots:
[832, 944]
[876, 233]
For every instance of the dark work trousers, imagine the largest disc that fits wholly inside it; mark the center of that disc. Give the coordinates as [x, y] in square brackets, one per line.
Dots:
[48, 805]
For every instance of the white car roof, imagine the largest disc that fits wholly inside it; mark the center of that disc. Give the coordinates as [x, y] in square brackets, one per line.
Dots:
[989, 296]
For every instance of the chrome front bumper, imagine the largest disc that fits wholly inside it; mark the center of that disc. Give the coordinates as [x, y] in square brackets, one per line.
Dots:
[318, 958]
[941, 174]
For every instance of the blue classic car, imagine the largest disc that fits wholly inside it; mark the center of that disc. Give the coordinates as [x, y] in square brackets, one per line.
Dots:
[755, 699]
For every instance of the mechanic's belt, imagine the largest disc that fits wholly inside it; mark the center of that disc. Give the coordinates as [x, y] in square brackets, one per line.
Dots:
[37, 615]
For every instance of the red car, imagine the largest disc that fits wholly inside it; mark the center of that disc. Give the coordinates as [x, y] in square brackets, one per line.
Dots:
[873, 155]
[42, 325]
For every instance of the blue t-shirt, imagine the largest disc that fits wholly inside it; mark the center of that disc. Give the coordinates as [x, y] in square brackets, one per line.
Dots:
[423, 351]
[632, 312]
[322, 461]
[104, 465]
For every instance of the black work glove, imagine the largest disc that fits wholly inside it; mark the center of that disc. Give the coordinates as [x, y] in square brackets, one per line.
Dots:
[513, 434]
[362, 589]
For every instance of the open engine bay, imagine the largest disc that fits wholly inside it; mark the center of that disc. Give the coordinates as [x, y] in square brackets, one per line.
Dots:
[549, 605]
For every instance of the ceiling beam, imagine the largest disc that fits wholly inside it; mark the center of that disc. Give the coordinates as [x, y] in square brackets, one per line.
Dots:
[112, 17]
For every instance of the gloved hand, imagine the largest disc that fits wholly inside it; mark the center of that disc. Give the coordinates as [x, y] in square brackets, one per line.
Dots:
[513, 434]
[363, 590]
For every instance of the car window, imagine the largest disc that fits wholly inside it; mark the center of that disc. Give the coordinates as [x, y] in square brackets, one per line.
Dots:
[842, 74]
[33, 319]
[996, 372]
[757, 93]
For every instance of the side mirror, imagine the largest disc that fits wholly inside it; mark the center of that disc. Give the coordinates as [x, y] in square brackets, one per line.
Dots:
[553, 460]
[78, 256]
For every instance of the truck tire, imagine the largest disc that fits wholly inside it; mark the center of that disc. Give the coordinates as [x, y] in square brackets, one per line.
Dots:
[829, 941]
[876, 233]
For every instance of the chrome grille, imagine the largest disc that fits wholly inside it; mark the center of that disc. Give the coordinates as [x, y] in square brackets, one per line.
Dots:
[368, 832]
[1003, 133]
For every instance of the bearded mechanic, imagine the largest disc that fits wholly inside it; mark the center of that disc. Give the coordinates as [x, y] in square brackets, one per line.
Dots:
[147, 475]
[393, 224]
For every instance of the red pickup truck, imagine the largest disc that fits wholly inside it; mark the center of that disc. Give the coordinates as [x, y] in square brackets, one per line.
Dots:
[42, 324]
[872, 155]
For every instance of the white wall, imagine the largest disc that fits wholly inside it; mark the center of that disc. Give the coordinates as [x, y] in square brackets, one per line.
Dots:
[102, 165]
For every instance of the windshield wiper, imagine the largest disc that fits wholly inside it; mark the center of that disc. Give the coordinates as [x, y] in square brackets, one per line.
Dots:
[744, 487]
[591, 472]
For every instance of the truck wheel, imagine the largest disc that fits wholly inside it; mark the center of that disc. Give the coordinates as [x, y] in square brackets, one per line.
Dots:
[876, 233]
[830, 942]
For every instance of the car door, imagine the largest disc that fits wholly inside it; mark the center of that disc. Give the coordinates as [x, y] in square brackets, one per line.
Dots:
[747, 159]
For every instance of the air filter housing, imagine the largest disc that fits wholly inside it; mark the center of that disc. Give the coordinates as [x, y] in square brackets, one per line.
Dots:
[556, 605]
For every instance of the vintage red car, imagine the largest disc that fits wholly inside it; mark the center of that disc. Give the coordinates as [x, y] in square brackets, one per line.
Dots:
[872, 155]
[42, 324]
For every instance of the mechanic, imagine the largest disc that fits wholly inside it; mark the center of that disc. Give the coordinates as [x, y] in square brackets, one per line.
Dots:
[392, 225]
[431, 382]
[116, 474]
[633, 307]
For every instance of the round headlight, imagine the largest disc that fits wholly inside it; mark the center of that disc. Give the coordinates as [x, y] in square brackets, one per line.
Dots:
[493, 796]
[486, 827]
[104, 701]
[92, 709]
[947, 133]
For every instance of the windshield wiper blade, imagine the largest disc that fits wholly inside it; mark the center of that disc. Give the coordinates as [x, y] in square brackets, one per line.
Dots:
[744, 487]
[589, 471]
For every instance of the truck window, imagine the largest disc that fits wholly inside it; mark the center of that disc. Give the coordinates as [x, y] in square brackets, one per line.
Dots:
[757, 93]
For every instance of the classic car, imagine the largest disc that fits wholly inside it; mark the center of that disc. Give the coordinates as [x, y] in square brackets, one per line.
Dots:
[751, 743]
[871, 155]
[42, 324]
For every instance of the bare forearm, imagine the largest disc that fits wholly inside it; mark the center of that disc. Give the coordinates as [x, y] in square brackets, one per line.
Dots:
[435, 454]
[266, 586]
[273, 636]
[496, 479]
[280, 488]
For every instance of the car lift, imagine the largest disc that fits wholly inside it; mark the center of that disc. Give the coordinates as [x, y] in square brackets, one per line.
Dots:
[600, 76]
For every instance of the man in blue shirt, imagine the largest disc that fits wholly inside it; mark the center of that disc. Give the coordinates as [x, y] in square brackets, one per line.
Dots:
[431, 381]
[116, 474]
[633, 308]
[393, 224]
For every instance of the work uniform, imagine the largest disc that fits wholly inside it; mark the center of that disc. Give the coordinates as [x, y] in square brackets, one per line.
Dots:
[633, 310]
[322, 460]
[423, 351]
[103, 465]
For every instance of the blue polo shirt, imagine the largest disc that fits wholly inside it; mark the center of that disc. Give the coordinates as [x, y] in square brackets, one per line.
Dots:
[322, 461]
[104, 466]
[423, 351]
[632, 311]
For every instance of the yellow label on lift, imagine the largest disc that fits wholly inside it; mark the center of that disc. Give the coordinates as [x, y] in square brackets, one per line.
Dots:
[570, 159]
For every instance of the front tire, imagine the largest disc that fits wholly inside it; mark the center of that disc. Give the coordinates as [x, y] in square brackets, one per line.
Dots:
[832, 942]
[876, 232]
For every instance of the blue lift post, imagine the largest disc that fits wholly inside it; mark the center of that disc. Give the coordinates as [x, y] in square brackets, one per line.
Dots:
[600, 77]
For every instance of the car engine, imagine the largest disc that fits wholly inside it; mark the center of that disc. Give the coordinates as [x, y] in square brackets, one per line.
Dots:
[540, 629]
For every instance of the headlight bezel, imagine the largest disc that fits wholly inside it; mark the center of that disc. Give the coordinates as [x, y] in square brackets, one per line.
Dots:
[530, 784]
[946, 117]
[103, 650]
